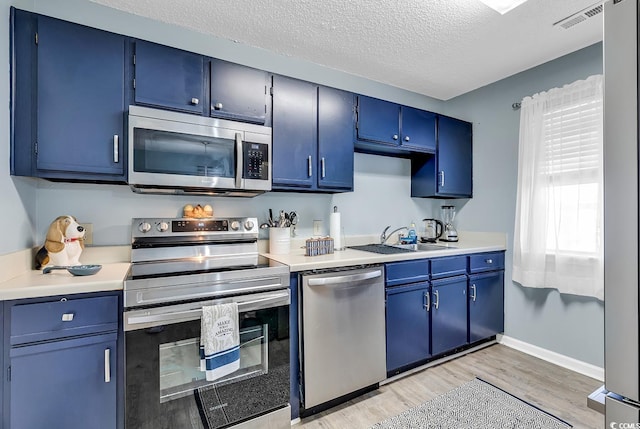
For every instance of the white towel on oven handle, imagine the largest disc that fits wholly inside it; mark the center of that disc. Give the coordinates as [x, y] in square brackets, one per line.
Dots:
[219, 340]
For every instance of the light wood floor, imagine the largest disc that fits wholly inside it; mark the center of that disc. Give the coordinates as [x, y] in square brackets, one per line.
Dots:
[556, 390]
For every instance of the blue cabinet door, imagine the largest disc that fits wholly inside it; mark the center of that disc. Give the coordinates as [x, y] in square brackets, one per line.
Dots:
[378, 121]
[407, 312]
[449, 173]
[169, 78]
[238, 92]
[294, 133]
[418, 129]
[454, 158]
[64, 384]
[486, 305]
[78, 67]
[335, 139]
[448, 314]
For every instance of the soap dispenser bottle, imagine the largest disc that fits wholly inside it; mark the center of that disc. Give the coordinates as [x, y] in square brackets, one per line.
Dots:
[412, 237]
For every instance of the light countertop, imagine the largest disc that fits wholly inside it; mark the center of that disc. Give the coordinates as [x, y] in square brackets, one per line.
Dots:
[470, 242]
[20, 281]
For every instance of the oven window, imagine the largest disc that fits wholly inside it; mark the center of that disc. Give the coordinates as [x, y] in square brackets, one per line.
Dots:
[165, 389]
[184, 154]
[180, 370]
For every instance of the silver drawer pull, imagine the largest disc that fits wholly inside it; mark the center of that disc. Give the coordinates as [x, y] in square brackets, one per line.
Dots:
[195, 101]
[67, 317]
[489, 261]
[116, 153]
[473, 296]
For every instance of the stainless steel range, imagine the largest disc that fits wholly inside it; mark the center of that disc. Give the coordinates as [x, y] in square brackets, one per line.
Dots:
[179, 266]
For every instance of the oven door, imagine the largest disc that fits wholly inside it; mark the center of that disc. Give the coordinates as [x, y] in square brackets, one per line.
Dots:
[164, 385]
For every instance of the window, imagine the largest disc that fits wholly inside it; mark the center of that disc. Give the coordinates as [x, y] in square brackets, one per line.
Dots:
[558, 234]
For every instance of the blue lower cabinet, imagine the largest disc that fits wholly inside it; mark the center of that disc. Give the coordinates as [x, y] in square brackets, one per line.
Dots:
[486, 305]
[64, 384]
[448, 314]
[407, 313]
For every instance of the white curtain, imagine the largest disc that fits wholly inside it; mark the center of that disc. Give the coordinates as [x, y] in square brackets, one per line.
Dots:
[558, 237]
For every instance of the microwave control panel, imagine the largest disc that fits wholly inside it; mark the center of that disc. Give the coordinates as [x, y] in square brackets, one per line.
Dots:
[256, 161]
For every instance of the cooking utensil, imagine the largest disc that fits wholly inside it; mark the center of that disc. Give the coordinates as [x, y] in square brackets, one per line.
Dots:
[76, 270]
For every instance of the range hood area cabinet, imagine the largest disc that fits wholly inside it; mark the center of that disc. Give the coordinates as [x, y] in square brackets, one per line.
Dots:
[313, 137]
[449, 173]
[388, 128]
[68, 99]
[174, 79]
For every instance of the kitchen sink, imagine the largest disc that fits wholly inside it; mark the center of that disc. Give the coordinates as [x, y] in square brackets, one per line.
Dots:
[389, 249]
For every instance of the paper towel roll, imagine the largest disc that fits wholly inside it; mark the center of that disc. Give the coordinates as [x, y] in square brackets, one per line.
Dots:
[334, 230]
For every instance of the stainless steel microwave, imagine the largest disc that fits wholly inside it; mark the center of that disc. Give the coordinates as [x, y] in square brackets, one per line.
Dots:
[179, 153]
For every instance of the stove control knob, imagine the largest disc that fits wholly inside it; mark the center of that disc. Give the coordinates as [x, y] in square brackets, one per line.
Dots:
[248, 225]
[144, 227]
[163, 226]
[235, 225]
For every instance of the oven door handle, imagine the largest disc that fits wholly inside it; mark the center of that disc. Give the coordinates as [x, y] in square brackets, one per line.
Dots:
[272, 300]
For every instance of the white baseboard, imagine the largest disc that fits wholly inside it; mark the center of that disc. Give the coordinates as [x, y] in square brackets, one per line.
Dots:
[576, 365]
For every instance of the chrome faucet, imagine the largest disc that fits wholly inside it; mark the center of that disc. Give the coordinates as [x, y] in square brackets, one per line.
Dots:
[384, 237]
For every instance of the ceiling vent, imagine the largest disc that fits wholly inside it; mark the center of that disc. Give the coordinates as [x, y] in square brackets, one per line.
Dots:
[578, 17]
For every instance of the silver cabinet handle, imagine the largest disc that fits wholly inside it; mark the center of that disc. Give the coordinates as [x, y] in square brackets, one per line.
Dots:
[67, 317]
[395, 137]
[195, 101]
[309, 166]
[436, 302]
[473, 295]
[442, 178]
[324, 281]
[406, 138]
[116, 151]
[323, 172]
[489, 261]
[107, 365]
[427, 301]
[217, 106]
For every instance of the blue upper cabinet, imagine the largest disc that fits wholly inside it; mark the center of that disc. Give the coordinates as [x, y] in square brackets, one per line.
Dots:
[418, 130]
[238, 92]
[294, 133]
[169, 78]
[61, 67]
[335, 139]
[378, 121]
[312, 137]
[389, 128]
[448, 174]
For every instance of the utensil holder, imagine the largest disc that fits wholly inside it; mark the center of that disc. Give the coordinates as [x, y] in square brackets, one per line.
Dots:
[279, 240]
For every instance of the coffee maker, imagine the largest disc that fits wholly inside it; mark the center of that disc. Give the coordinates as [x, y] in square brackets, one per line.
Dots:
[448, 215]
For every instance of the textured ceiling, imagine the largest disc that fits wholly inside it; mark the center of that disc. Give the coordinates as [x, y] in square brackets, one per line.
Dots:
[439, 48]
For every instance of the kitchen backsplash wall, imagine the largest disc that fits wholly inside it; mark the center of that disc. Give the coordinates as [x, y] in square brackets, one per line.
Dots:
[381, 197]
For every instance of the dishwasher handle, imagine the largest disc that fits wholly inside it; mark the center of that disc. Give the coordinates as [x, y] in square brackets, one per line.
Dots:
[336, 280]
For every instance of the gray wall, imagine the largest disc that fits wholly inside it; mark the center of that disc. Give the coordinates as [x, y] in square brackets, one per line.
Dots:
[566, 324]
[382, 185]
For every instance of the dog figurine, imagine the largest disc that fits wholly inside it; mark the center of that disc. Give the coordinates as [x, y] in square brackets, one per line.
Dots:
[63, 244]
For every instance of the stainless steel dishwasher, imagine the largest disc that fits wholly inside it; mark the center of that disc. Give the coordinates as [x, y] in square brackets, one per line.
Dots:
[342, 343]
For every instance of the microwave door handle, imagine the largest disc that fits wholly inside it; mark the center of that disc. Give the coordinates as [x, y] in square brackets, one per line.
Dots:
[239, 161]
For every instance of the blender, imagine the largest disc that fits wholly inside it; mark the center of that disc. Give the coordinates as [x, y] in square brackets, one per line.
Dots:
[450, 233]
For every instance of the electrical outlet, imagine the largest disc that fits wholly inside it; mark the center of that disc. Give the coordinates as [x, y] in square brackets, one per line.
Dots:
[317, 227]
[88, 232]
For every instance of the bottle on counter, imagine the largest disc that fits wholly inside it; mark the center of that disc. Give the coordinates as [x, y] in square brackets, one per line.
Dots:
[412, 237]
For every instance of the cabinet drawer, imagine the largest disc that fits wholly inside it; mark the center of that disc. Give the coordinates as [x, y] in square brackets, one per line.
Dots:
[448, 266]
[407, 272]
[58, 319]
[486, 262]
